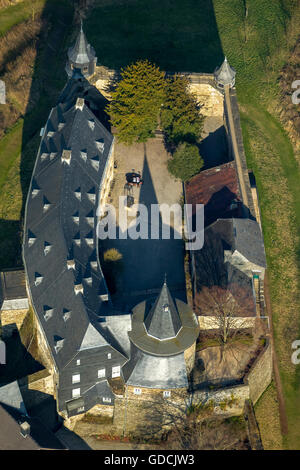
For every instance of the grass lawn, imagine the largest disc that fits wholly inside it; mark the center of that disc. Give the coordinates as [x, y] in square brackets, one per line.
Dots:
[15, 14]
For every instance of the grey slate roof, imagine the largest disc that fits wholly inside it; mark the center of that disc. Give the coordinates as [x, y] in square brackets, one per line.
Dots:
[145, 370]
[60, 243]
[163, 320]
[11, 396]
[243, 235]
[165, 346]
[225, 74]
[81, 52]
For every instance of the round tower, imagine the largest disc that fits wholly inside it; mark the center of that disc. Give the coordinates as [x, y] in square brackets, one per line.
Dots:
[81, 57]
[163, 339]
[225, 75]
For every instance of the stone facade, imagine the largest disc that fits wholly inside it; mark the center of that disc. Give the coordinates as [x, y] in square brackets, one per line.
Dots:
[13, 317]
[260, 374]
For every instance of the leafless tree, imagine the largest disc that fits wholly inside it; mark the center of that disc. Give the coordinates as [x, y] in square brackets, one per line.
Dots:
[228, 307]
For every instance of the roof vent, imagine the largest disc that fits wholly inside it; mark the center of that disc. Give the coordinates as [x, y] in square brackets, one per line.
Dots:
[66, 156]
[75, 217]
[35, 189]
[83, 155]
[95, 162]
[77, 239]
[78, 289]
[88, 280]
[47, 248]
[44, 155]
[71, 264]
[77, 193]
[100, 145]
[91, 124]
[38, 279]
[53, 155]
[58, 343]
[91, 194]
[66, 314]
[89, 238]
[48, 312]
[31, 238]
[94, 264]
[60, 125]
[25, 429]
[79, 104]
[46, 204]
[90, 218]
[103, 297]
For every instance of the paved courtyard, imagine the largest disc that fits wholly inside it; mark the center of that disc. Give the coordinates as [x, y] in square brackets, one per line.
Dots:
[146, 261]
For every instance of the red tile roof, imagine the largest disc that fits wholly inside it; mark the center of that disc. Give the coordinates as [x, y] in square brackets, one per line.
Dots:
[216, 188]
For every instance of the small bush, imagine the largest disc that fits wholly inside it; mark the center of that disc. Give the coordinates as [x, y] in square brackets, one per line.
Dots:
[186, 162]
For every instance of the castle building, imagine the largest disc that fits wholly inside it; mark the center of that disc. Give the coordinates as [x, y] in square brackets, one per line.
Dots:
[86, 344]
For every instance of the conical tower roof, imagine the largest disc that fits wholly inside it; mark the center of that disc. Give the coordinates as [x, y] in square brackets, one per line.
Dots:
[225, 74]
[81, 52]
[163, 320]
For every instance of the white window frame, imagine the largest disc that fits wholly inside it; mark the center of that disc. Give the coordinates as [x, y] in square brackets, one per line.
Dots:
[116, 371]
[106, 400]
[80, 410]
[137, 391]
[75, 378]
[101, 373]
[108, 355]
[166, 393]
[78, 362]
[75, 392]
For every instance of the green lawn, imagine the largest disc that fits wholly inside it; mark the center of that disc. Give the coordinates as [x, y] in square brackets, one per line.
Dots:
[18, 13]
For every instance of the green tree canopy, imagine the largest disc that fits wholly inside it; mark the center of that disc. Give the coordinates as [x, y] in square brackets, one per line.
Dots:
[180, 117]
[136, 102]
[186, 161]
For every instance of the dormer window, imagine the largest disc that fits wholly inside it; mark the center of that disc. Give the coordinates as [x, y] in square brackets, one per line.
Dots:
[47, 248]
[71, 264]
[66, 156]
[78, 289]
[166, 308]
[58, 343]
[66, 314]
[48, 312]
[38, 279]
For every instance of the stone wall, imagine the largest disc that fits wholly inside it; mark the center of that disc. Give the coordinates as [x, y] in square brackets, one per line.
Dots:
[260, 374]
[189, 357]
[207, 322]
[226, 401]
[13, 317]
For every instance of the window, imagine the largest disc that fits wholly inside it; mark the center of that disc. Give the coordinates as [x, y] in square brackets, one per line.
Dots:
[76, 392]
[75, 378]
[167, 393]
[109, 356]
[106, 400]
[137, 391]
[115, 372]
[101, 373]
[80, 410]
[78, 362]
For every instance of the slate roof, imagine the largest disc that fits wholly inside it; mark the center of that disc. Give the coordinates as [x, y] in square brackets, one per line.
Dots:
[225, 74]
[164, 345]
[243, 235]
[145, 370]
[163, 320]
[218, 190]
[81, 52]
[60, 244]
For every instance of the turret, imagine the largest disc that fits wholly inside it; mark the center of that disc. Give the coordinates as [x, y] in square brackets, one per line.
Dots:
[225, 75]
[81, 57]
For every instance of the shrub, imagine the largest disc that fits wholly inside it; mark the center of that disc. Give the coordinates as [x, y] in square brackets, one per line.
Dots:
[186, 162]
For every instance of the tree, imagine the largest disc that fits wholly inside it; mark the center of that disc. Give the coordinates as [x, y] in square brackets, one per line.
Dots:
[230, 307]
[180, 116]
[136, 102]
[186, 161]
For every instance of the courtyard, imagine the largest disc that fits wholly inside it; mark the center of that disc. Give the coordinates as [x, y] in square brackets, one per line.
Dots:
[145, 262]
